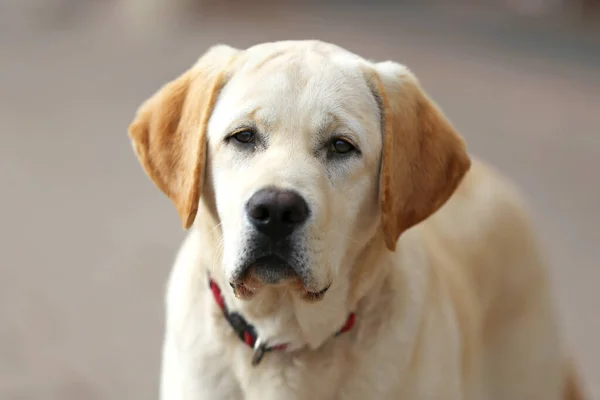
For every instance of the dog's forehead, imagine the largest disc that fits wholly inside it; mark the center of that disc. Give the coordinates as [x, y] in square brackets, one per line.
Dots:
[299, 81]
[297, 65]
[267, 51]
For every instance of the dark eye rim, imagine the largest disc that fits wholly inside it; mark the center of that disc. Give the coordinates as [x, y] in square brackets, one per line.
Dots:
[353, 147]
[235, 136]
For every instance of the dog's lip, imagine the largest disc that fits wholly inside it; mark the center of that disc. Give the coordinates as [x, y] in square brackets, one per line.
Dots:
[318, 295]
[267, 259]
[320, 292]
[246, 283]
[272, 259]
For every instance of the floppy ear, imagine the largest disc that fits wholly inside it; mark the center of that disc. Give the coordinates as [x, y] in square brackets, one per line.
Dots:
[169, 130]
[424, 159]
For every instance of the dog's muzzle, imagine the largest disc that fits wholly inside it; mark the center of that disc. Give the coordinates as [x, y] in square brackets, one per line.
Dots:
[275, 214]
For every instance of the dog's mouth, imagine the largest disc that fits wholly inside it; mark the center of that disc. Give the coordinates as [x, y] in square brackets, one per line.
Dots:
[315, 296]
[273, 270]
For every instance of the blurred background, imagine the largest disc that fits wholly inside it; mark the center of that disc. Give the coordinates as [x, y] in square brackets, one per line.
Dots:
[86, 241]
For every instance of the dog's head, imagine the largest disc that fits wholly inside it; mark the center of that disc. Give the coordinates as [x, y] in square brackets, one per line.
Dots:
[303, 152]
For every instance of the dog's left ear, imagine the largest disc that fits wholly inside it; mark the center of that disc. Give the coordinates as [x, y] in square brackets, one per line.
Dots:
[424, 159]
[169, 130]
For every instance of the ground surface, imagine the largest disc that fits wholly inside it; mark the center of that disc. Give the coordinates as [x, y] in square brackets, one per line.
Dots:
[86, 241]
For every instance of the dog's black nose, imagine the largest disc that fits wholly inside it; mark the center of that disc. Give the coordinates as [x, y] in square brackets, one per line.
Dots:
[276, 213]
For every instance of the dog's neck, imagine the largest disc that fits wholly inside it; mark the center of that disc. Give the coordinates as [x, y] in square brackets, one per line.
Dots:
[281, 317]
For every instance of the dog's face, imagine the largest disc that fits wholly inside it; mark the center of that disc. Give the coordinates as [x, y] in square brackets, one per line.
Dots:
[307, 150]
[294, 147]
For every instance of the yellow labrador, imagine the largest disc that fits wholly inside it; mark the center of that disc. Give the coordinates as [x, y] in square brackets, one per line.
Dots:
[343, 244]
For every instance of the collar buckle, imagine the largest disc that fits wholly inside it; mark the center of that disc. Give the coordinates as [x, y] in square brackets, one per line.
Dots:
[259, 351]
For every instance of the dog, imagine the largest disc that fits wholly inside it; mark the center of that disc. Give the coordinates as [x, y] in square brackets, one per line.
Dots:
[342, 244]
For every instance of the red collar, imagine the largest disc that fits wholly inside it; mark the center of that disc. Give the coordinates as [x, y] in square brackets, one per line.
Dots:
[247, 333]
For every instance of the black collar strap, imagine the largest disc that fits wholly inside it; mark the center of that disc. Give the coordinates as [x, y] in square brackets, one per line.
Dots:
[247, 333]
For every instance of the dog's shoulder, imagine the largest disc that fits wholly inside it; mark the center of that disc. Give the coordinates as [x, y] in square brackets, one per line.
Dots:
[484, 236]
[484, 219]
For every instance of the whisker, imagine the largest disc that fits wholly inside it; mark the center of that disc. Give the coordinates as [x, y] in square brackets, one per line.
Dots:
[217, 254]
[259, 305]
[346, 236]
[216, 226]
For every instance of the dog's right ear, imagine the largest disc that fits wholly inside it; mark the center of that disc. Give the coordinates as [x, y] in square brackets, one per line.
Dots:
[169, 130]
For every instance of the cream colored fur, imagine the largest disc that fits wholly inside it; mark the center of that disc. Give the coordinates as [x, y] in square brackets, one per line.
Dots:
[452, 303]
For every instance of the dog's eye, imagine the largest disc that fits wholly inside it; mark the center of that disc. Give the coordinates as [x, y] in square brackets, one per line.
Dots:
[341, 146]
[244, 137]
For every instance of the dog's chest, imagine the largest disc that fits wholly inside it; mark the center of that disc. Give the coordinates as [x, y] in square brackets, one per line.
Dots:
[301, 378]
[281, 376]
